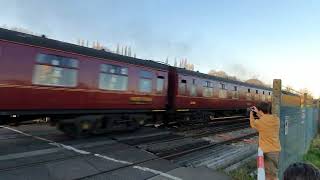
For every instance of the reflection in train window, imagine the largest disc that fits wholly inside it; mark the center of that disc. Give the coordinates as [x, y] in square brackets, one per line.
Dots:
[160, 84]
[55, 60]
[193, 88]
[207, 89]
[235, 88]
[113, 77]
[223, 86]
[183, 87]
[55, 71]
[145, 82]
[145, 85]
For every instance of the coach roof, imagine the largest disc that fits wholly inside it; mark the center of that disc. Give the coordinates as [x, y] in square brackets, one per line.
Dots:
[216, 78]
[42, 41]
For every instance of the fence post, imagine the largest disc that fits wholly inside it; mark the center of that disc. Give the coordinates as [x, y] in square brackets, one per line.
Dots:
[276, 97]
[275, 109]
[305, 122]
[305, 99]
[318, 115]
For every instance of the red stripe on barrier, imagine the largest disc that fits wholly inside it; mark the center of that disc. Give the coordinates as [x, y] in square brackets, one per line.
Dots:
[260, 162]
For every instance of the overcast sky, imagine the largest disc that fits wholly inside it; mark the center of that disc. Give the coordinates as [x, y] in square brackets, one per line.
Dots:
[267, 38]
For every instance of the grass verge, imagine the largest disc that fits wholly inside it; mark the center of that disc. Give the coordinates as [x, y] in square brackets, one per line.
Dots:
[245, 172]
[313, 155]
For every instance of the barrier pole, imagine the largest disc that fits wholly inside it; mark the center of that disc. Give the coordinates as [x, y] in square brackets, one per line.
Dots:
[260, 164]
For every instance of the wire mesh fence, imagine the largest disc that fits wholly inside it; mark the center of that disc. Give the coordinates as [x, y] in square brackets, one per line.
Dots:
[298, 126]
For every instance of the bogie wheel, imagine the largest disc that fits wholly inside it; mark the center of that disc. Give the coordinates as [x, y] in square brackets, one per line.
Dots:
[77, 129]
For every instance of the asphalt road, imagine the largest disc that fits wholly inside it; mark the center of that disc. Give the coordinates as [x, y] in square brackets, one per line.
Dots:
[38, 152]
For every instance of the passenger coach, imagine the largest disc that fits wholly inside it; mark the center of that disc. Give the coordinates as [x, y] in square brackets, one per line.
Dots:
[202, 97]
[88, 91]
[83, 89]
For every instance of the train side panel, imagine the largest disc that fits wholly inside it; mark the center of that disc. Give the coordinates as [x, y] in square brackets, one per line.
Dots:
[198, 93]
[18, 92]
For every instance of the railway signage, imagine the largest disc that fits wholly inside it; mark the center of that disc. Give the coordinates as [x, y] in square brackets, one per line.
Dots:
[140, 100]
[286, 125]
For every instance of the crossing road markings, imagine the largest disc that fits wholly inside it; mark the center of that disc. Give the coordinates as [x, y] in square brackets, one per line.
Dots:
[70, 148]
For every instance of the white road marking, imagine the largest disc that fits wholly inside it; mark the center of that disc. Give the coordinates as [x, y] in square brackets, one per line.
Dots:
[70, 148]
[29, 135]
[112, 159]
[50, 150]
[157, 172]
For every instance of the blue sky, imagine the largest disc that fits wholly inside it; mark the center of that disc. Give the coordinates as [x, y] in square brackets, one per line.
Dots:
[267, 38]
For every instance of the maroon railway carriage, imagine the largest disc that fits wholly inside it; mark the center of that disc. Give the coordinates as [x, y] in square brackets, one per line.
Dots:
[40, 77]
[201, 96]
[85, 90]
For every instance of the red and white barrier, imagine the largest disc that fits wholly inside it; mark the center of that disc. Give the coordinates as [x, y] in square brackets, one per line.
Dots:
[260, 164]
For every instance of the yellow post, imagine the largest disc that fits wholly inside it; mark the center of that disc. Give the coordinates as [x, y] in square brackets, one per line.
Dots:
[305, 99]
[276, 97]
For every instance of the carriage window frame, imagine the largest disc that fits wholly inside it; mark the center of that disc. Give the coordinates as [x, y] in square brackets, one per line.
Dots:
[61, 67]
[193, 88]
[145, 76]
[235, 88]
[47, 59]
[116, 72]
[223, 86]
[207, 87]
[160, 84]
[185, 86]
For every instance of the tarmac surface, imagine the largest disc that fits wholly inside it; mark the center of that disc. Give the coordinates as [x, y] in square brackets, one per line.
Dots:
[38, 152]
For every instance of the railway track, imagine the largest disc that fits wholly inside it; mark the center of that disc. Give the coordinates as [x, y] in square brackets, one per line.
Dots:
[164, 144]
[177, 153]
[237, 122]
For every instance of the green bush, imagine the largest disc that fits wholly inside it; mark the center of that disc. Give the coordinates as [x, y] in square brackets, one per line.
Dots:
[313, 155]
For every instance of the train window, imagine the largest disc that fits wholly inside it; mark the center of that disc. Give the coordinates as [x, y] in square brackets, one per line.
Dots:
[114, 69]
[160, 83]
[146, 74]
[263, 92]
[235, 88]
[55, 71]
[57, 61]
[208, 84]
[269, 93]
[183, 87]
[113, 77]
[257, 91]
[207, 89]
[145, 85]
[145, 82]
[249, 90]
[223, 86]
[193, 88]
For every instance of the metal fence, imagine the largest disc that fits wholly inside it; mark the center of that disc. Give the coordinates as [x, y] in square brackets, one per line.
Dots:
[298, 126]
